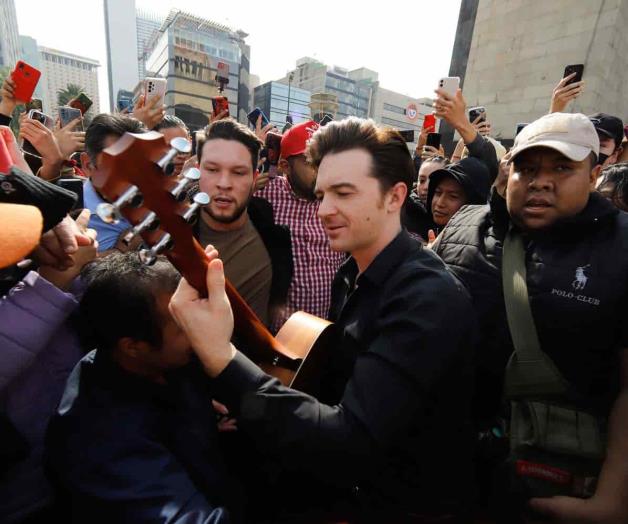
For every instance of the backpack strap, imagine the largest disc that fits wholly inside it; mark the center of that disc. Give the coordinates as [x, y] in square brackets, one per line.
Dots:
[530, 372]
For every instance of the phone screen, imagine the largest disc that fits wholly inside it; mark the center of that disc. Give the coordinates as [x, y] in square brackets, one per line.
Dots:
[407, 134]
[254, 115]
[76, 186]
[273, 145]
[67, 114]
[476, 112]
[220, 104]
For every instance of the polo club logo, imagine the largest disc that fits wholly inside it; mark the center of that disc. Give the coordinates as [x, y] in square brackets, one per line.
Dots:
[581, 279]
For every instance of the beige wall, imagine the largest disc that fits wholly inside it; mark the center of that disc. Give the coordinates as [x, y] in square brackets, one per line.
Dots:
[520, 48]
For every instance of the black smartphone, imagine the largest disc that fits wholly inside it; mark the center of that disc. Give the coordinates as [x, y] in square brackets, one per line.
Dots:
[476, 112]
[520, 126]
[325, 120]
[35, 103]
[433, 140]
[574, 68]
[407, 134]
[254, 115]
[76, 186]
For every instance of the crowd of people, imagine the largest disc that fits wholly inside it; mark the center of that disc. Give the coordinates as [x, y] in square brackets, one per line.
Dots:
[478, 370]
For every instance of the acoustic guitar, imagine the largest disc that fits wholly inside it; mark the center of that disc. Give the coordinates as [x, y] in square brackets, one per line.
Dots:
[134, 175]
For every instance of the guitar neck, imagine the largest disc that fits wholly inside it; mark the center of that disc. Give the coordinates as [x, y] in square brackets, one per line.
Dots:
[248, 328]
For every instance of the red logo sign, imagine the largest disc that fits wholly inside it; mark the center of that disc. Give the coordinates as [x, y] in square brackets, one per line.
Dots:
[412, 111]
[543, 472]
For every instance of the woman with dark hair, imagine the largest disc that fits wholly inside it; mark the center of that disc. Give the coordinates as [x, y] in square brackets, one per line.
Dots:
[613, 185]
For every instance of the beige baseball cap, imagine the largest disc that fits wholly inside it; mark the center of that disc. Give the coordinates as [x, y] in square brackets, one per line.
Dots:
[571, 134]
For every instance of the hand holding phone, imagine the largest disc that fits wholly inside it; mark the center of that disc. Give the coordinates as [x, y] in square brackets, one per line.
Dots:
[433, 140]
[220, 106]
[254, 115]
[273, 147]
[67, 114]
[569, 88]
[25, 78]
[155, 88]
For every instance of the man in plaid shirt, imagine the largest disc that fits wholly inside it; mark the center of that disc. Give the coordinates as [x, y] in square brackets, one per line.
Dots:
[295, 206]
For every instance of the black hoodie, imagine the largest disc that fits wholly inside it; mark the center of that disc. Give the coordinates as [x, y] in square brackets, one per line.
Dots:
[471, 173]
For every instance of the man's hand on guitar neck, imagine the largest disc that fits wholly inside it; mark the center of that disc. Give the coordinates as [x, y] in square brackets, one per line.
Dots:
[207, 322]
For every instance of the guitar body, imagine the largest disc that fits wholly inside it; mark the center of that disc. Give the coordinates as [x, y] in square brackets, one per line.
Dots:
[309, 341]
[302, 346]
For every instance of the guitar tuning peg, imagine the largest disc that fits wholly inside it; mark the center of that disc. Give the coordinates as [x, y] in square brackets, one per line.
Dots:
[178, 146]
[110, 213]
[149, 256]
[149, 223]
[190, 176]
[200, 199]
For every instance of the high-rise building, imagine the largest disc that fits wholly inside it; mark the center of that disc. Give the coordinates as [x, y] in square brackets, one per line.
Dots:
[9, 43]
[121, 36]
[343, 93]
[510, 55]
[148, 25]
[60, 69]
[187, 53]
[277, 101]
[353, 93]
[29, 53]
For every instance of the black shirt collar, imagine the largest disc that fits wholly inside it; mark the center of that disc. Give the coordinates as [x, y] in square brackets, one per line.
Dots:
[383, 264]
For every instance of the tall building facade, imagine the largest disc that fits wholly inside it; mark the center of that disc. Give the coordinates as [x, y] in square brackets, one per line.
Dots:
[59, 69]
[512, 67]
[9, 43]
[186, 53]
[358, 93]
[277, 101]
[147, 25]
[121, 37]
[353, 94]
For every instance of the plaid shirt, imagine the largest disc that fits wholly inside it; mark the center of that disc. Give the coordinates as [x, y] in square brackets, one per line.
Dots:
[315, 264]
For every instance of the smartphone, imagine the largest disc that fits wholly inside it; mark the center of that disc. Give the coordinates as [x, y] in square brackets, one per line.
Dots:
[433, 140]
[155, 87]
[254, 115]
[273, 147]
[520, 126]
[76, 186]
[220, 104]
[36, 114]
[82, 102]
[574, 68]
[125, 103]
[25, 77]
[449, 84]
[67, 114]
[429, 122]
[325, 120]
[35, 103]
[476, 112]
[407, 134]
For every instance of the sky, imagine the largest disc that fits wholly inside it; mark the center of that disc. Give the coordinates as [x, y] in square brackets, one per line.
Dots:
[408, 43]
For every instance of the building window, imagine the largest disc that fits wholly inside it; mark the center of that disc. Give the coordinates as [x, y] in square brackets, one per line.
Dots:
[395, 109]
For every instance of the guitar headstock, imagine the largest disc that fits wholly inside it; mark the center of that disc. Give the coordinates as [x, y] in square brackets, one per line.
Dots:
[134, 176]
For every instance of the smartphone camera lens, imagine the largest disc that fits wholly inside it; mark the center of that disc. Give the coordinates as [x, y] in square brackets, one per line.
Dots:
[21, 66]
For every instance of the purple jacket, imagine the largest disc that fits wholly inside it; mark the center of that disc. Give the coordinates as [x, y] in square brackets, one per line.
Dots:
[38, 352]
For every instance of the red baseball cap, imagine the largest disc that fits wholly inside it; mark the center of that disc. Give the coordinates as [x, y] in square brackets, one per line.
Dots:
[294, 142]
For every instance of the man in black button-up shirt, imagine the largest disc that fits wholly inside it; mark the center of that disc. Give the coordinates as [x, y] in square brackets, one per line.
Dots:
[392, 437]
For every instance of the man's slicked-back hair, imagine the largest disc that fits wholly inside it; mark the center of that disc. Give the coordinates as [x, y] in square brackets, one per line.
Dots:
[105, 125]
[392, 162]
[120, 300]
[230, 129]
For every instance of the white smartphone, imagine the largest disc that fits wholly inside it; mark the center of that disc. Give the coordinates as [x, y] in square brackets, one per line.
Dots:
[155, 87]
[449, 84]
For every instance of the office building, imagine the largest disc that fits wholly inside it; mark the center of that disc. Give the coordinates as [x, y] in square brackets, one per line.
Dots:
[147, 25]
[60, 69]
[187, 52]
[277, 101]
[29, 53]
[122, 41]
[9, 42]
